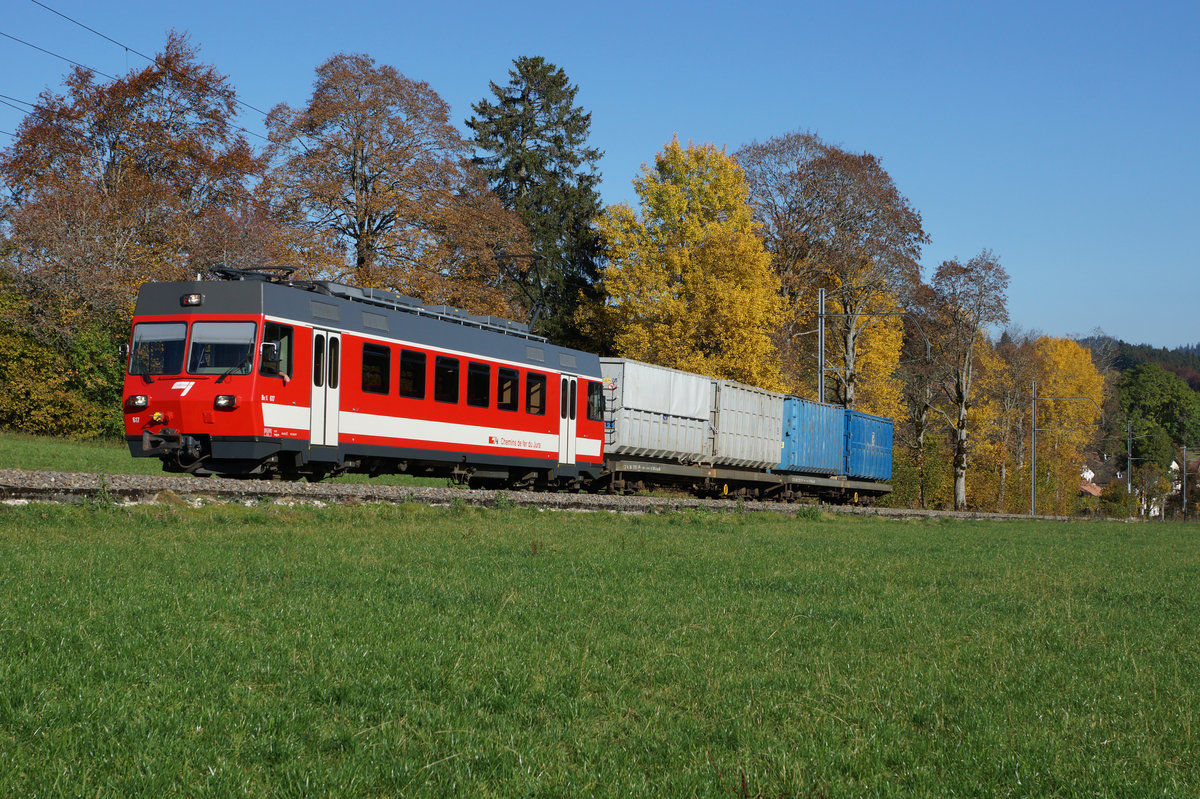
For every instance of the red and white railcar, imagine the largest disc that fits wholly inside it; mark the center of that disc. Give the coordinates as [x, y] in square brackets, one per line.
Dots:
[257, 375]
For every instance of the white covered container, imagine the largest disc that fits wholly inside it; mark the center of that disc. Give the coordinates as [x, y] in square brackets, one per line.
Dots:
[749, 425]
[655, 412]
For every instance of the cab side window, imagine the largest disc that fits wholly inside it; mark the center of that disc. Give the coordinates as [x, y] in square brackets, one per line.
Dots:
[283, 337]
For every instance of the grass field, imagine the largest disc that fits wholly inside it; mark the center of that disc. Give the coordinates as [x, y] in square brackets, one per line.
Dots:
[44, 453]
[412, 651]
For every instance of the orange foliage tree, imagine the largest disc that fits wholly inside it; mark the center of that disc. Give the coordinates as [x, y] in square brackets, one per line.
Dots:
[106, 186]
[834, 219]
[373, 167]
[116, 183]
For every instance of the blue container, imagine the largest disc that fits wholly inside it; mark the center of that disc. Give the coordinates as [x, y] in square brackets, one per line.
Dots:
[868, 446]
[813, 437]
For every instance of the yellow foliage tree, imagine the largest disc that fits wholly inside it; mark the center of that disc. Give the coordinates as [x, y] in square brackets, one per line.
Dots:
[994, 422]
[1070, 395]
[688, 283]
[879, 387]
[878, 345]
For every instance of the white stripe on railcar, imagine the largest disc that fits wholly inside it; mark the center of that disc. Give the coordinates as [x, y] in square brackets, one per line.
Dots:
[367, 424]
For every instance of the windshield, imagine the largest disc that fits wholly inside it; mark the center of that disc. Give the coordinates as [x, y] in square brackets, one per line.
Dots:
[219, 348]
[157, 348]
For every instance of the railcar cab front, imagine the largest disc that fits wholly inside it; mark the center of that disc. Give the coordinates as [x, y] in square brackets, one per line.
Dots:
[200, 358]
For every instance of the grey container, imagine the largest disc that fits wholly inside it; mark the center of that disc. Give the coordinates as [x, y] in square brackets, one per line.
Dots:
[656, 413]
[749, 425]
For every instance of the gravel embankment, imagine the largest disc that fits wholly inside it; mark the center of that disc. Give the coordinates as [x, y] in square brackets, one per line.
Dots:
[23, 485]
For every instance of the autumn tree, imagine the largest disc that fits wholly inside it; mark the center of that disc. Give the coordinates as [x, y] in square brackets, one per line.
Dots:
[966, 299]
[373, 165]
[916, 421]
[833, 219]
[106, 186]
[1005, 389]
[115, 183]
[688, 283]
[535, 157]
[1070, 395]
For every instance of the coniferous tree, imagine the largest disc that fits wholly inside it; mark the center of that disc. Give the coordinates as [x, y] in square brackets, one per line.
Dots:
[536, 159]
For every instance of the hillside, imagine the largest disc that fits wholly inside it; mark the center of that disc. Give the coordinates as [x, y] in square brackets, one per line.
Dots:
[1183, 361]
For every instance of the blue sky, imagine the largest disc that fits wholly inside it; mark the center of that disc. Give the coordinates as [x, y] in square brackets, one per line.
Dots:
[1062, 136]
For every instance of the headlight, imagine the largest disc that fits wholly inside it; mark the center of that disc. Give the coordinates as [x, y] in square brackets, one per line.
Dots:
[137, 402]
[225, 402]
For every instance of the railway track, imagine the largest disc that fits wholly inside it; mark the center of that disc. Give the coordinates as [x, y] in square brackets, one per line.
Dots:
[19, 485]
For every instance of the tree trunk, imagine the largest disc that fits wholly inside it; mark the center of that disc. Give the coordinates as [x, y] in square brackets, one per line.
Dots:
[1003, 487]
[850, 377]
[960, 459]
[921, 460]
[962, 394]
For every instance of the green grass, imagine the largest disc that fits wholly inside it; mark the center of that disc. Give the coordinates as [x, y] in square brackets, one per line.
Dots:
[44, 453]
[409, 651]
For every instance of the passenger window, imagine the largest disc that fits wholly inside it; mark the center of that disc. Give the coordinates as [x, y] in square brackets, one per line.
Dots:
[376, 369]
[479, 385]
[412, 374]
[319, 361]
[335, 368]
[535, 394]
[282, 337]
[508, 384]
[445, 379]
[595, 400]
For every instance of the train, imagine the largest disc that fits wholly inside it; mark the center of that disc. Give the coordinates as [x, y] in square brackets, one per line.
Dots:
[253, 374]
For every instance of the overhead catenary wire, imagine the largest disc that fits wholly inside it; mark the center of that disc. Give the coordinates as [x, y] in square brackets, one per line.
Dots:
[130, 49]
[14, 105]
[297, 137]
[114, 77]
[56, 55]
[93, 30]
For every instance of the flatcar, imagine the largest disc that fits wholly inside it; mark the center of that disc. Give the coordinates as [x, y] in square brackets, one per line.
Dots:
[722, 438]
[254, 374]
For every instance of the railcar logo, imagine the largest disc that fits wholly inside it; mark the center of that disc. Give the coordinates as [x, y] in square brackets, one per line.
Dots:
[518, 443]
[186, 385]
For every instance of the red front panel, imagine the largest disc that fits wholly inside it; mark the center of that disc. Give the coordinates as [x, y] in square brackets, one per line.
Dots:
[197, 376]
